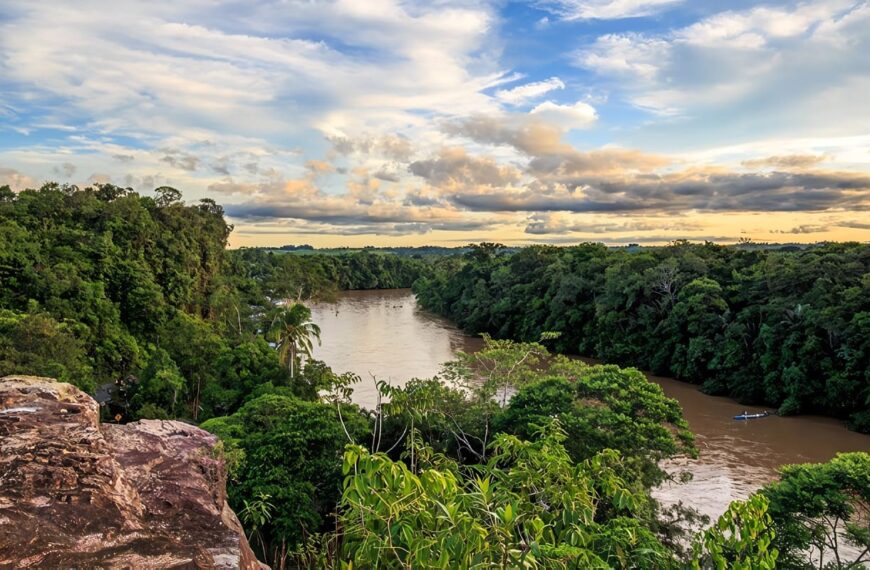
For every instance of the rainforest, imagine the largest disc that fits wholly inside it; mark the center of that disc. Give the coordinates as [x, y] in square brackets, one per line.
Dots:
[514, 455]
[783, 327]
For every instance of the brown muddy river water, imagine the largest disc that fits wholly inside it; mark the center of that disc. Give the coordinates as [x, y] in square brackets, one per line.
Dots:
[386, 335]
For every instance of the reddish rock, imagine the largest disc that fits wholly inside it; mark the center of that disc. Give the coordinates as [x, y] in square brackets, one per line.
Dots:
[74, 493]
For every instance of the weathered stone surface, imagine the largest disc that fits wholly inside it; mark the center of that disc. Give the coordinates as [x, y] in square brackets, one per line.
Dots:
[77, 494]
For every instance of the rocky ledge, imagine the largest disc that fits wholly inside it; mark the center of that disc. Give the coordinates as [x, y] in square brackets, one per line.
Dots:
[78, 494]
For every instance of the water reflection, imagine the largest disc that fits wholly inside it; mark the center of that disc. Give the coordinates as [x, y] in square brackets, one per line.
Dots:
[384, 334]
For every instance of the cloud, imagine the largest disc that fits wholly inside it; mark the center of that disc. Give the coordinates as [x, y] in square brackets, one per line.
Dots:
[391, 146]
[180, 159]
[803, 229]
[65, 170]
[338, 211]
[456, 168]
[605, 9]
[100, 178]
[386, 229]
[221, 165]
[543, 224]
[570, 165]
[682, 192]
[580, 115]
[550, 155]
[420, 197]
[753, 61]
[387, 176]
[628, 55]
[317, 167]
[248, 69]
[524, 133]
[529, 92]
[364, 207]
[854, 224]
[15, 179]
[786, 161]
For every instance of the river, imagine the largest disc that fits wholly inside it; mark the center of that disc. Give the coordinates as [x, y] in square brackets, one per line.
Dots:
[384, 334]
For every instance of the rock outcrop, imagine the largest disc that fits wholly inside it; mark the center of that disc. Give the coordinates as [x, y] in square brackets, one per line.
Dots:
[77, 494]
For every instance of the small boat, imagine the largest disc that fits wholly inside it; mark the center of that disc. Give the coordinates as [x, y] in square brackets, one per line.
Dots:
[745, 416]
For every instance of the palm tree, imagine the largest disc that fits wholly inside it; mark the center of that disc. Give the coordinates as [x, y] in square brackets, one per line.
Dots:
[291, 330]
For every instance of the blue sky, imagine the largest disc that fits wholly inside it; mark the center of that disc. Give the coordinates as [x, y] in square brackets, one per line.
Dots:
[386, 122]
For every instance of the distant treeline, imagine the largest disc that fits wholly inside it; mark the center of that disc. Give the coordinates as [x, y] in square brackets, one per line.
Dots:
[408, 251]
[780, 328]
[315, 275]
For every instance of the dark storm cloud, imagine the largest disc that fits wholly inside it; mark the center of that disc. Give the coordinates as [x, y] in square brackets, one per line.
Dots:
[528, 202]
[350, 215]
[775, 191]
[308, 211]
[379, 229]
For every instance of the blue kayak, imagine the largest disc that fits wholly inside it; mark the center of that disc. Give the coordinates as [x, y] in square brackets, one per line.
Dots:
[752, 416]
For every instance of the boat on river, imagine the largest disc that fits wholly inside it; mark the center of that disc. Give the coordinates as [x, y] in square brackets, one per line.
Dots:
[746, 416]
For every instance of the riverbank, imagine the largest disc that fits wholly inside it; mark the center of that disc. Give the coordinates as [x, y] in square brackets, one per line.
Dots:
[384, 334]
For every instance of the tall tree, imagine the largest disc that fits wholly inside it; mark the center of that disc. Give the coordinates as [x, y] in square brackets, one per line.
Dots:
[821, 513]
[292, 332]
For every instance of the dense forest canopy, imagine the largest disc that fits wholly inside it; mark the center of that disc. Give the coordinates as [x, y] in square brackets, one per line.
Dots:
[781, 328]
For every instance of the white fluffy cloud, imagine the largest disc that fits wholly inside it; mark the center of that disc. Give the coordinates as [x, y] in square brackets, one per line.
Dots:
[530, 91]
[757, 60]
[219, 68]
[577, 116]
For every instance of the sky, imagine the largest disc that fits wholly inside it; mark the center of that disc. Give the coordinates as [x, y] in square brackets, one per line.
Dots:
[386, 122]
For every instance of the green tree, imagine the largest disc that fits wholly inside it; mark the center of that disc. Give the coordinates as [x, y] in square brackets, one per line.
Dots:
[779, 327]
[821, 513]
[159, 390]
[36, 344]
[238, 372]
[195, 347]
[290, 450]
[603, 407]
[292, 331]
[166, 196]
[529, 506]
[741, 539]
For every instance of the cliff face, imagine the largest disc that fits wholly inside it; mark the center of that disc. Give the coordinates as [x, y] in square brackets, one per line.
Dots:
[74, 493]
